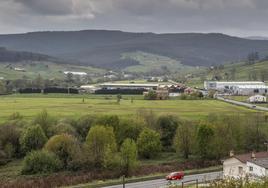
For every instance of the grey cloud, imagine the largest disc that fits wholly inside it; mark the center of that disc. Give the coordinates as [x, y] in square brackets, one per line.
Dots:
[237, 17]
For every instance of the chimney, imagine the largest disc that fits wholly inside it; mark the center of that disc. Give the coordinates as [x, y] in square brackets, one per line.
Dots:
[231, 153]
[253, 155]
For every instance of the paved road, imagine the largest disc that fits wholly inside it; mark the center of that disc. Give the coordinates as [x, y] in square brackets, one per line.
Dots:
[252, 106]
[162, 183]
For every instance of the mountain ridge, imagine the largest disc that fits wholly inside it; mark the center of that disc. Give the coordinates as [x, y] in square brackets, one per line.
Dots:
[104, 48]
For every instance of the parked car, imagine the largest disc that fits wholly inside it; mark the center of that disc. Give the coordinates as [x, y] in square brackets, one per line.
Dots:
[175, 176]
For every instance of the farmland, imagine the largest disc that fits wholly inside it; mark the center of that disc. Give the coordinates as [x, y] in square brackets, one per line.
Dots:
[74, 106]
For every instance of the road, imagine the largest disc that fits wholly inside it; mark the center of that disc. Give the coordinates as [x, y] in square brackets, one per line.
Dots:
[251, 106]
[162, 183]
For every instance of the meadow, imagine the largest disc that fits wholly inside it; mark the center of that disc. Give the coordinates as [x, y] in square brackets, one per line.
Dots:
[77, 105]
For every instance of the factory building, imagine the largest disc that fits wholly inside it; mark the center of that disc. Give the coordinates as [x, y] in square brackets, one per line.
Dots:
[223, 86]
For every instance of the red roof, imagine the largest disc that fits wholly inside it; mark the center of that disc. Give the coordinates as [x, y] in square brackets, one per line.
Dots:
[248, 156]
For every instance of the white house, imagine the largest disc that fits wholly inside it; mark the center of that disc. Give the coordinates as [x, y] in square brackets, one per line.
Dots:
[236, 165]
[257, 168]
[257, 99]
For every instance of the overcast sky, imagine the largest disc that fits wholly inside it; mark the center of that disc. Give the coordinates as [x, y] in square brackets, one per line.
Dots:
[234, 17]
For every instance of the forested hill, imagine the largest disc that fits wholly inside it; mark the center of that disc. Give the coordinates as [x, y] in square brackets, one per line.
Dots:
[104, 48]
[12, 56]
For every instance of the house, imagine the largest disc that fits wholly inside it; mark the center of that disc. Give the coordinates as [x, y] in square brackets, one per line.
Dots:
[257, 99]
[257, 168]
[236, 165]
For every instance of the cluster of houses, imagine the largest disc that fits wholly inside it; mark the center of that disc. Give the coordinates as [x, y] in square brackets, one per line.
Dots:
[250, 165]
[257, 90]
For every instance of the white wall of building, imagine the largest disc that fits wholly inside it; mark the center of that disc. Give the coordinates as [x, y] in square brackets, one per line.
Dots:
[255, 170]
[233, 168]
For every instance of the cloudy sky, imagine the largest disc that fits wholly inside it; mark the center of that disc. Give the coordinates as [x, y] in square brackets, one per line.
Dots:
[234, 17]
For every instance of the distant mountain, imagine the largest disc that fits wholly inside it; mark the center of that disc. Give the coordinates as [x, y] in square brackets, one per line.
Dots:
[105, 48]
[13, 56]
[257, 38]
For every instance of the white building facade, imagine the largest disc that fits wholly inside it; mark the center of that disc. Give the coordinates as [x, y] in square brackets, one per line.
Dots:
[234, 168]
[221, 86]
[257, 99]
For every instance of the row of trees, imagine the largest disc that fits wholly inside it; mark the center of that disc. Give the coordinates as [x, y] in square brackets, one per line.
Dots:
[109, 142]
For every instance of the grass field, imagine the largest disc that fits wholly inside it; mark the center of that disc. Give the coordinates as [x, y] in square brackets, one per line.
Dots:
[47, 70]
[73, 106]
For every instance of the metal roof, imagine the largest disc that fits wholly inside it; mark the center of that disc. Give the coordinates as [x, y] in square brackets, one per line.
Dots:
[127, 85]
[251, 86]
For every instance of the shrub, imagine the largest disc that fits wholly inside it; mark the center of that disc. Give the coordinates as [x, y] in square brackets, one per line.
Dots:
[129, 156]
[9, 140]
[32, 138]
[83, 125]
[15, 116]
[100, 141]
[128, 128]
[45, 121]
[149, 143]
[109, 120]
[63, 127]
[41, 162]
[151, 95]
[66, 148]
[167, 126]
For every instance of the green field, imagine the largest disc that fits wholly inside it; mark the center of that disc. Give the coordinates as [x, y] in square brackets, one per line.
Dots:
[73, 106]
[151, 62]
[47, 70]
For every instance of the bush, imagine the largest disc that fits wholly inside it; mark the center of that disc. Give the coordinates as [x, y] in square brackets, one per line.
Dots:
[63, 127]
[45, 121]
[66, 148]
[167, 126]
[9, 140]
[100, 141]
[129, 156]
[152, 95]
[128, 128]
[83, 125]
[149, 143]
[41, 162]
[32, 138]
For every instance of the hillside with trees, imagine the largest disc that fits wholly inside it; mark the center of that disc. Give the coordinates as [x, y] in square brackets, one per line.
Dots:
[103, 48]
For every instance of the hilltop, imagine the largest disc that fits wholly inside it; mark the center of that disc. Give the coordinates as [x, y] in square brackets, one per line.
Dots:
[105, 49]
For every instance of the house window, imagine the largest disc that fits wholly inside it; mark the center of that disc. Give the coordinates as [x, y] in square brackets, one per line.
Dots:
[250, 168]
[240, 170]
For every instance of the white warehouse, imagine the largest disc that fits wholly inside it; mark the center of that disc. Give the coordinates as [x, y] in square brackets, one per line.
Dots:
[250, 90]
[221, 86]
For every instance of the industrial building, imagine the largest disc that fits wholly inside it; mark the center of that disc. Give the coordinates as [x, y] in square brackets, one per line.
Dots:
[221, 86]
[238, 88]
[250, 90]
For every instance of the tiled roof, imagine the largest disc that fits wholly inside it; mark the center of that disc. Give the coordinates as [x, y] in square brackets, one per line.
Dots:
[261, 162]
[248, 156]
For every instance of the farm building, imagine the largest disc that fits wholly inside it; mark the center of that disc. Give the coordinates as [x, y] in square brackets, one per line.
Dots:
[222, 86]
[257, 99]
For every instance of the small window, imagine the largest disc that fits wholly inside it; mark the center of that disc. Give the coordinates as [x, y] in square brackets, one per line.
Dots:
[250, 168]
[240, 170]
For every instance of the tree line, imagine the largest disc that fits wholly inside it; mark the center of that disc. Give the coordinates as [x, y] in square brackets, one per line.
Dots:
[49, 144]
